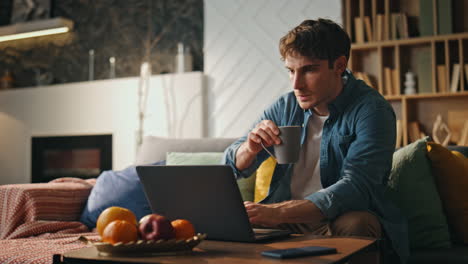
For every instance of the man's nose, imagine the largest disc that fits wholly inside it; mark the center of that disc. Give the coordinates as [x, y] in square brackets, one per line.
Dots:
[297, 81]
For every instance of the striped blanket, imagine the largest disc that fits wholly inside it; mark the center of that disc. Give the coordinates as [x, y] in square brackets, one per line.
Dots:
[39, 220]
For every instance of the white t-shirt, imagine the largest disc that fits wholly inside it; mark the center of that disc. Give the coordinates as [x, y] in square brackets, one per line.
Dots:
[305, 178]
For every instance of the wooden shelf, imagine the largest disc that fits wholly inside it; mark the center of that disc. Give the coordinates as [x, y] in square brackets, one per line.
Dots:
[382, 53]
[426, 96]
[408, 41]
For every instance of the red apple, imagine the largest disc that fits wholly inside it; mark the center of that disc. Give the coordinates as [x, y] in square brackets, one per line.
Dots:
[155, 227]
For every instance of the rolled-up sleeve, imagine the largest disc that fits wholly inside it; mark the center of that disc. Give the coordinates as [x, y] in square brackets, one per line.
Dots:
[273, 113]
[366, 165]
[230, 159]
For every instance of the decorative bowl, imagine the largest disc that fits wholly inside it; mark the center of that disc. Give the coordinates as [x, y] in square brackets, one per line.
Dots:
[147, 247]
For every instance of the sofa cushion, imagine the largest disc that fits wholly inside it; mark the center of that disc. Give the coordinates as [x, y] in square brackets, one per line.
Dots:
[457, 254]
[462, 149]
[450, 170]
[116, 188]
[412, 188]
[194, 158]
[246, 185]
[155, 148]
[262, 183]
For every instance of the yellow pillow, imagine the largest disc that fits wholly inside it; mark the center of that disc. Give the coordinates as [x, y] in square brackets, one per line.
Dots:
[450, 170]
[262, 183]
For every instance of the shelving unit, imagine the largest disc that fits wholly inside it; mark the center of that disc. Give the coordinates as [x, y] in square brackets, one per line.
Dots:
[387, 43]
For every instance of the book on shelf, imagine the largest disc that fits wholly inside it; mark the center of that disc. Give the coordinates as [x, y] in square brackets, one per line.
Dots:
[426, 17]
[399, 26]
[455, 81]
[399, 134]
[444, 17]
[414, 132]
[395, 82]
[358, 30]
[388, 84]
[386, 27]
[466, 72]
[403, 26]
[442, 78]
[365, 77]
[379, 27]
[394, 25]
[423, 70]
[368, 28]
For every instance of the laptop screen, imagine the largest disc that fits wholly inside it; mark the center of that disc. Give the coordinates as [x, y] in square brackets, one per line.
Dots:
[207, 196]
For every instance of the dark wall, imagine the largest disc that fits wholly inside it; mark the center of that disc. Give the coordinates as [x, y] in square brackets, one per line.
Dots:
[113, 28]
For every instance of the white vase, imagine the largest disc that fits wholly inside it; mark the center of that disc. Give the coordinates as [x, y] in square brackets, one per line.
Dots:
[409, 83]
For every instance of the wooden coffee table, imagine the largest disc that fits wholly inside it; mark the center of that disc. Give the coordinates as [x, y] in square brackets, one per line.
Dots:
[232, 252]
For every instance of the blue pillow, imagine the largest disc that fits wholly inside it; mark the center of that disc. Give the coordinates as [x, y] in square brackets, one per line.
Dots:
[116, 188]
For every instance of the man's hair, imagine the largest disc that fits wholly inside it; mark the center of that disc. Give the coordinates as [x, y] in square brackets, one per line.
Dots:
[320, 39]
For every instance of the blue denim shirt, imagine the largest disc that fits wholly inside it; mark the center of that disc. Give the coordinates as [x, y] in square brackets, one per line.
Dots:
[358, 141]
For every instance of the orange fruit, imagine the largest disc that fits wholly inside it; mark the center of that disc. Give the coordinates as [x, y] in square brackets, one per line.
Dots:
[114, 213]
[120, 231]
[183, 229]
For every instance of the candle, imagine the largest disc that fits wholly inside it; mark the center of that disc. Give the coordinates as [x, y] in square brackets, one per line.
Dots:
[112, 67]
[91, 65]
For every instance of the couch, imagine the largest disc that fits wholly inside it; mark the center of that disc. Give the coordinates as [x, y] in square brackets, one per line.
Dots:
[40, 221]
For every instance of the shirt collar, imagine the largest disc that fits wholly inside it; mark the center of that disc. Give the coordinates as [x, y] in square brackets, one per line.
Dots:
[341, 100]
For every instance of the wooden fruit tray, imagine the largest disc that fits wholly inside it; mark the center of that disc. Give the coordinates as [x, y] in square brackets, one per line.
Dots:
[147, 247]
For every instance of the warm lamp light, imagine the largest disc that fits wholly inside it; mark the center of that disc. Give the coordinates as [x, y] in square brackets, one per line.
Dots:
[35, 29]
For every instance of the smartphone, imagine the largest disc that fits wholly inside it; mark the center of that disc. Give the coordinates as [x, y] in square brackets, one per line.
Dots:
[298, 252]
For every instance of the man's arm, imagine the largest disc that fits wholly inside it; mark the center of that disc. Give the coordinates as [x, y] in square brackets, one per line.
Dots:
[244, 157]
[267, 132]
[366, 166]
[294, 211]
[246, 154]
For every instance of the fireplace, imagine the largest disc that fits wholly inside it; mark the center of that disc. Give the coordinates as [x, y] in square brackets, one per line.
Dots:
[70, 156]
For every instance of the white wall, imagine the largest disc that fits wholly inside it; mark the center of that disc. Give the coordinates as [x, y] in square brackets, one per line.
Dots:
[12, 152]
[241, 58]
[174, 109]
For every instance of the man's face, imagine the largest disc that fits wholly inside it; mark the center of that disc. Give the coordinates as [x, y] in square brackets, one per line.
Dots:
[315, 85]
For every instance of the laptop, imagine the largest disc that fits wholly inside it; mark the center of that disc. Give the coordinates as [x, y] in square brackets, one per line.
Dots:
[207, 196]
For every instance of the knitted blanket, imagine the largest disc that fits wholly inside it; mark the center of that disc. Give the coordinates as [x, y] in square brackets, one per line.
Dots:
[40, 220]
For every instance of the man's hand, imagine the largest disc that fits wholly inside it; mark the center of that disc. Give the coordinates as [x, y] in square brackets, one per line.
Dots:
[294, 211]
[263, 214]
[267, 132]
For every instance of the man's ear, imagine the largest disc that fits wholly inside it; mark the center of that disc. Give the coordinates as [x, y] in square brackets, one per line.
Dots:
[340, 65]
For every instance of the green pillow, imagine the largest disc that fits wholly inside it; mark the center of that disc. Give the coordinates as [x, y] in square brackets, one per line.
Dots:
[246, 185]
[197, 158]
[411, 187]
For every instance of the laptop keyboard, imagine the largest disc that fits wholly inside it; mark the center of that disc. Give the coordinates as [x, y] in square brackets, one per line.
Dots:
[264, 230]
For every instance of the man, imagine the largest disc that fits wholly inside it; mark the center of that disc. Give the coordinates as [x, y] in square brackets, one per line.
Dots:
[348, 139]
